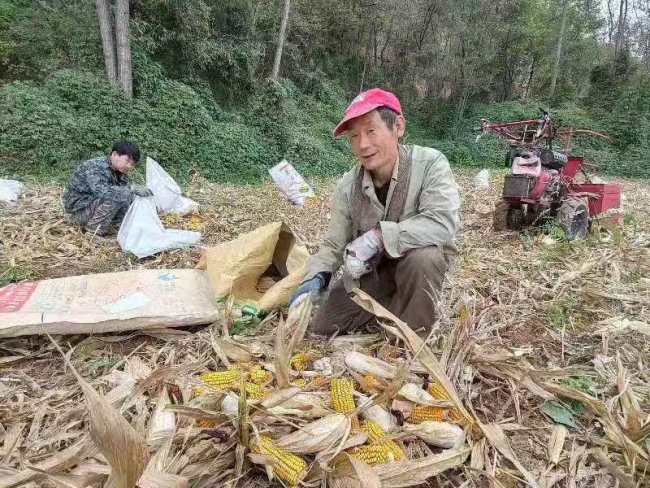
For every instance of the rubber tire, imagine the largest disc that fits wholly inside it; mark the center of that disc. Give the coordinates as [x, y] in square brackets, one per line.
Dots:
[573, 217]
[500, 216]
[516, 218]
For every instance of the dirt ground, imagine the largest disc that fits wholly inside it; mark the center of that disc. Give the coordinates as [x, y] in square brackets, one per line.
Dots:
[525, 314]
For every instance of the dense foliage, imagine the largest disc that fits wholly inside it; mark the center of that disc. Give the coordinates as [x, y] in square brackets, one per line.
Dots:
[203, 100]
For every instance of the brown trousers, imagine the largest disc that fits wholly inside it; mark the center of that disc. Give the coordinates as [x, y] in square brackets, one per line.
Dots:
[409, 287]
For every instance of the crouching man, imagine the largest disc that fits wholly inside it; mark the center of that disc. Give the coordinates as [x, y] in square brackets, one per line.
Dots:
[393, 223]
[98, 193]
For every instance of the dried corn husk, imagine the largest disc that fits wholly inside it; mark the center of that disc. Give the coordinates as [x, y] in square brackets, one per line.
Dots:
[440, 434]
[122, 446]
[230, 405]
[163, 422]
[362, 364]
[382, 417]
[234, 351]
[379, 415]
[317, 436]
[417, 394]
[349, 472]
[280, 396]
[556, 443]
[303, 405]
[415, 472]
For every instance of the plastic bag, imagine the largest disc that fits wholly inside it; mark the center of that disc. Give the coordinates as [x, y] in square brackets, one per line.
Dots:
[166, 192]
[143, 234]
[291, 183]
[10, 190]
[482, 180]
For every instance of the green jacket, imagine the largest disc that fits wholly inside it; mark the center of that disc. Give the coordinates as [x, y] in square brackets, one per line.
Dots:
[429, 218]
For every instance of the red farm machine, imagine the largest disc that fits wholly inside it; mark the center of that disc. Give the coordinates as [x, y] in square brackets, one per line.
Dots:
[545, 183]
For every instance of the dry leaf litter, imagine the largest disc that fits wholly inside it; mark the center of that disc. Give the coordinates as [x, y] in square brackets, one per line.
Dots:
[535, 374]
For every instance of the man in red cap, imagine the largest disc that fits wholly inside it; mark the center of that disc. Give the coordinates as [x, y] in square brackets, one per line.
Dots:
[393, 224]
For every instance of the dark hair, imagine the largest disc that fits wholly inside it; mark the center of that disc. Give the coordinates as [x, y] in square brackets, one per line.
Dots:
[125, 148]
[388, 115]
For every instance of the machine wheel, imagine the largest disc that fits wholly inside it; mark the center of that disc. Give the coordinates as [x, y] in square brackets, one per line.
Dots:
[516, 218]
[500, 216]
[573, 216]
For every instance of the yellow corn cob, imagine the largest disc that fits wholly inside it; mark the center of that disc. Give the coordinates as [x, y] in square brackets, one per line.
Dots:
[369, 384]
[342, 400]
[319, 381]
[259, 375]
[373, 454]
[377, 436]
[373, 430]
[438, 392]
[206, 423]
[300, 382]
[288, 467]
[301, 361]
[421, 413]
[222, 379]
[341, 391]
[255, 391]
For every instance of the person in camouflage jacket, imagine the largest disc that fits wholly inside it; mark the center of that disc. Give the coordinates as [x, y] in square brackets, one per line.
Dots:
[98, 193]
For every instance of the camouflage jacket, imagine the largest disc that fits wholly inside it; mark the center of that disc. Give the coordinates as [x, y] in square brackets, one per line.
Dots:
[95, 179]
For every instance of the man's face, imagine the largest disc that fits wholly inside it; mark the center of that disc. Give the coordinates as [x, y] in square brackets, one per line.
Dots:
[121, 162]
[373, 143]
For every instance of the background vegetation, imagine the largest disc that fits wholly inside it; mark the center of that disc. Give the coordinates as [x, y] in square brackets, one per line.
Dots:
[203, 100]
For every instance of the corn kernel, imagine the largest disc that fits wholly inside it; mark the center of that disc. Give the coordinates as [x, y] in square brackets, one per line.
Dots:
[290, 468]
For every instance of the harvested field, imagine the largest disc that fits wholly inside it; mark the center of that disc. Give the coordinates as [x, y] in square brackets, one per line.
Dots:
[545, 342]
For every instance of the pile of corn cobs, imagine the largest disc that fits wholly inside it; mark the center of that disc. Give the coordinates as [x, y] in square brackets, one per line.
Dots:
[371, 411]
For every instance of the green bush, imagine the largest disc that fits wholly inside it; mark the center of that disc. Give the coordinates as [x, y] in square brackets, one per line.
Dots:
[49, 127]
[74, 115]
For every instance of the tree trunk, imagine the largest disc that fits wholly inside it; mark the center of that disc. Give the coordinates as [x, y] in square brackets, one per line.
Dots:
[281, 35]
[530, 78]
[558, 52]
[105, 17]
[620, 29]
[610, 22]
[386, 42]
[124, 75]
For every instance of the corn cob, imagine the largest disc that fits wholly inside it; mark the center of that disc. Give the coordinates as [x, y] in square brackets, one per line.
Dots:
[290, 468]
[341, 391]
[422, 413]
[373, 430]
[206, 423]
[373, 454]
[301, 361]
[369, 384]
[377, 436]
[259, 375]
[319, 381]
[342, 400]
[299, 382]
[255, 391]
[222, 380]
[438, 392]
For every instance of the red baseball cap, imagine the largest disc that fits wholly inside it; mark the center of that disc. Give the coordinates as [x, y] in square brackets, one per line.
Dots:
[365, 102]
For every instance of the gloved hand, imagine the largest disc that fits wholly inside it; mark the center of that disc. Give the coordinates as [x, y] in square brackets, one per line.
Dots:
[141, 191]
[361, 253]
[307, 288]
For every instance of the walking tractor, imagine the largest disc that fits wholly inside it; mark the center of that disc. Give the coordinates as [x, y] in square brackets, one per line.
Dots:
[546, 183]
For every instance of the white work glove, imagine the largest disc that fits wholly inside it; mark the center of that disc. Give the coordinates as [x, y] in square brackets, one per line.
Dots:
[360, 254]
[141, 191]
